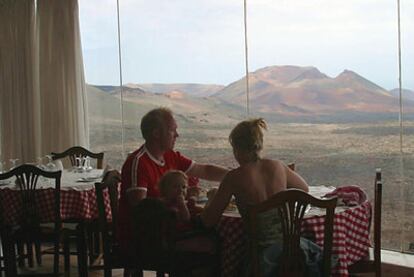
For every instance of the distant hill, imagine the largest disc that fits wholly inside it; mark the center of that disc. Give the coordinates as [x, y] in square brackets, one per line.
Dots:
[303, 91]
[281, 93]
[198, 90]
[105, 105]
[106, 88]
[407, 93]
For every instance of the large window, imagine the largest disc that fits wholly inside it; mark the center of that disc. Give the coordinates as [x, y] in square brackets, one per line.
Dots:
[407, 38]
[98, 21]
[178, 54]
[333, 112]
[322, 73]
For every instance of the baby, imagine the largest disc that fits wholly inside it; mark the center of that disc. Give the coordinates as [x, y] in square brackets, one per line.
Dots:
[173, 189]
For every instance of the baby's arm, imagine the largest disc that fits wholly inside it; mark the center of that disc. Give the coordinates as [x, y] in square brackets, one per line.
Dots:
[183, 213]
[193, 208]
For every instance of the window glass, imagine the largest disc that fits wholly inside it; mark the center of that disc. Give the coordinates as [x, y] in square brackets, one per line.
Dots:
[180, 54]
[98, 23]
[322, 72]
[407, 42]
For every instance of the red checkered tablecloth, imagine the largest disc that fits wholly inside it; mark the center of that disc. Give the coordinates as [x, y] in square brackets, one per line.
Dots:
[350, 238]
[74, 204]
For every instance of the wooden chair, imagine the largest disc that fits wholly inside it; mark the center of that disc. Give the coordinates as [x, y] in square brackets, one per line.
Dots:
[78, 151]
[71, 234]
[28, 230]
[372, 263]
[155, 239]
[2, 268]
[2, 233]
[290, 206]
[111, 252]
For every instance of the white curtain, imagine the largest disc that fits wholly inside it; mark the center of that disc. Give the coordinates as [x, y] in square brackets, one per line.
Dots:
[19, 98]
[61, 76]
[42, 84]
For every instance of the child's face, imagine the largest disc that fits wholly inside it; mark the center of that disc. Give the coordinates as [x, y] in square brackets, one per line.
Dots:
[179, 187]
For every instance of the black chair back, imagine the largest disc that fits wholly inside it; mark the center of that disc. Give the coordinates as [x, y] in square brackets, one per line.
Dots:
[28, 228]
[79, 152]
[154, 233]
[290, 206]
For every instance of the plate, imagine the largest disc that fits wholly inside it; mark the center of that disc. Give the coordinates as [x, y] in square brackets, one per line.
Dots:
[88, 179]
[202, 200]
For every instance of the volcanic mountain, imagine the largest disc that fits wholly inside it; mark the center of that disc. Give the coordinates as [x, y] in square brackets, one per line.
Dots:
[406, 93]
[299, 91]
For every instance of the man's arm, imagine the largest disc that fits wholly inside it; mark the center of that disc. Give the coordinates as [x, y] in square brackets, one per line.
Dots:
[136, 194]
[208, 172]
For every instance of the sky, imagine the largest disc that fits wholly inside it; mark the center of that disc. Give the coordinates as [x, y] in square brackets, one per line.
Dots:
[187, 41]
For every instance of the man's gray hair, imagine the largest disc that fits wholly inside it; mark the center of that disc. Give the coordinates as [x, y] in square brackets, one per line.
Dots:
[154, 119]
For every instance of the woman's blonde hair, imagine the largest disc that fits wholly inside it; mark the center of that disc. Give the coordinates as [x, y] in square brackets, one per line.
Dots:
[247, 136]
[170, 179]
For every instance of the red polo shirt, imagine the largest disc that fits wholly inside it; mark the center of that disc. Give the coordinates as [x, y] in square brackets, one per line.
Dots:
[142, 170]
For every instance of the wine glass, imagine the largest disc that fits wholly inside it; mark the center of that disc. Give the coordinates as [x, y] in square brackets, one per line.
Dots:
[13, 163]
[78, 165]
[50, 164]
[87, 164]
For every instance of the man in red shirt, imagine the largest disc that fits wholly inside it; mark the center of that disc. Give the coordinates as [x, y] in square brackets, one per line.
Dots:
[144, 167]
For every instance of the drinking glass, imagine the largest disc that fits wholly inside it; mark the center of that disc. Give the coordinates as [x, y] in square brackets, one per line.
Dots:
[78, 166]
[87, 164]
[50, 164]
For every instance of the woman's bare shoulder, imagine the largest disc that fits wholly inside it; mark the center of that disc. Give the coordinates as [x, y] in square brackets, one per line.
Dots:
[277, 164]
[235, 173]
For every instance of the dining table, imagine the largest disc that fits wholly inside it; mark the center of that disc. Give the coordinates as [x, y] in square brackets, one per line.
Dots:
[77, 203]
[351, 233]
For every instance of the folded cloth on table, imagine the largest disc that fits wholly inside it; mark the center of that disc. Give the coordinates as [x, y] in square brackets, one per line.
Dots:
[348, 195]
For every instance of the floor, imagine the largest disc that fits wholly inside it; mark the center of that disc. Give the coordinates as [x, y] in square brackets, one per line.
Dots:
[47, 262]
[394, 264]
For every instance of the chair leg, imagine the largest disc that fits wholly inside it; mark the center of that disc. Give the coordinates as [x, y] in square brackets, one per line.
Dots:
[91, 244]
[29, 248]
[81, 248]
[66, 253]
[38, 253]
[97, 243]
[56, 257]
[108, 271]
[137, 273]
[20, 254]
[9, 259]
[93, 239]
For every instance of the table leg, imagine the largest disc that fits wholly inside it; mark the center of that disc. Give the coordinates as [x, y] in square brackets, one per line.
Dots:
[81, 248]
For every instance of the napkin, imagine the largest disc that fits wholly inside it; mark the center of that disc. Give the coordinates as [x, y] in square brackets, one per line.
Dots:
[348, 195]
